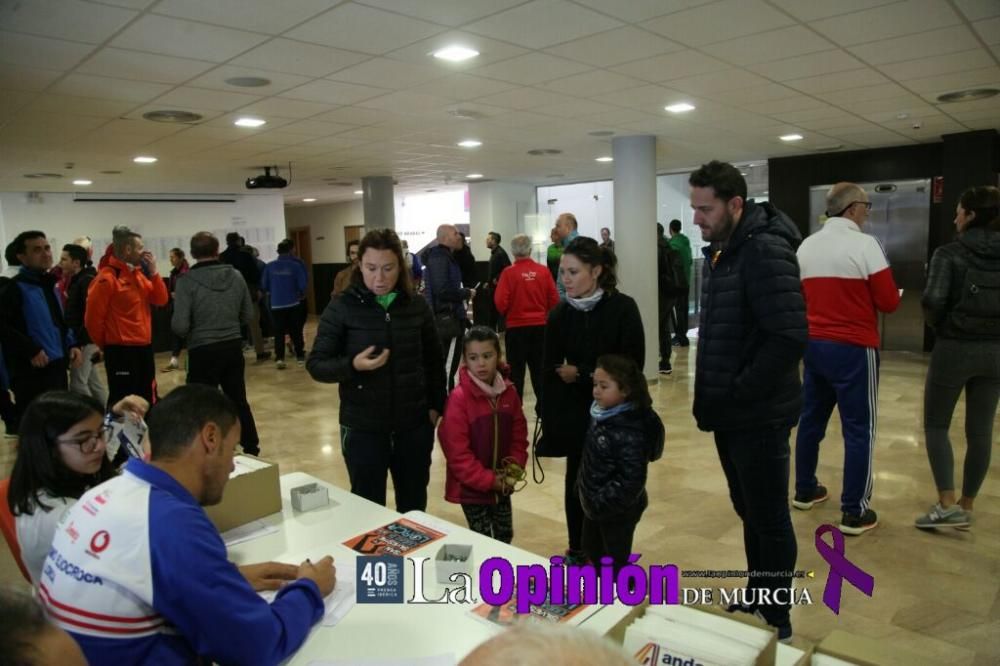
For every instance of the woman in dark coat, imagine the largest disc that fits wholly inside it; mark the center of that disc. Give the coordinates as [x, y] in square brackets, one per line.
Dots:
[594, 319]
[378, 341]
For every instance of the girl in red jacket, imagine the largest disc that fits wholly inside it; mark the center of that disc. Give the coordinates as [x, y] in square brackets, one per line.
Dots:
[484, 437]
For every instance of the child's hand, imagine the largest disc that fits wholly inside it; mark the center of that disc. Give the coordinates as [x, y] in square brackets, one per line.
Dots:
[568, 373]
[499, 486]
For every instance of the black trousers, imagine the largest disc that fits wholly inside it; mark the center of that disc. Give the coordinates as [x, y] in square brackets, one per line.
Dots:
[666, 315]
[526, 347]
[29, 384]
[756, 463]
[131, 370]
[611, 538]
[681, 316]
[406, 455]
[221, 365]
[571, 500]
[286, 321]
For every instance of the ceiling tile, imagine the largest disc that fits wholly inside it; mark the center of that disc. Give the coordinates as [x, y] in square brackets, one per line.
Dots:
[64, 19]
[976, 78]
[316, 128]
[650, 99]
[615, 47]
[333, 92]
[864, 94]
[935, 42]
[129, 4]
[286, 55]
[812, 64]
[388, 74]
[272, 18]
[523, 98]
[279, 81]
[204, 98]
[532, 68]
[41, 52]
[975, 10]
[940, 64]
[85, 85]
[886, 22]
[844, 119]
[81, 106]
[811, 10]
[672, 66]
[615, 118]
[759, 93]
[16, 77]
[543, 23]
[703, 25]
[838, 81]
[575, 108]
[803, 115]
[635, 11]
[490, 51]
[140, 66]
[765, 47]
[364, 29]
[989, 30]
[279, 106]
[588, 84]
[445, 12]
[773, 106]
[354, 115]
[729, 79]
[159, 34]
[465, 86]
[407, 102]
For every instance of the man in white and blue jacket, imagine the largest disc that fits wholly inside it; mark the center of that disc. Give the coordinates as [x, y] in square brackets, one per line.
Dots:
[137, 573]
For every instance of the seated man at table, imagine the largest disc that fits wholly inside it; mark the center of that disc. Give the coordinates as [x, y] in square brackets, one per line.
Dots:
[138, 574]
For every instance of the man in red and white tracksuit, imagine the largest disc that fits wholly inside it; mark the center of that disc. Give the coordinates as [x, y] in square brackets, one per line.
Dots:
[846, 281]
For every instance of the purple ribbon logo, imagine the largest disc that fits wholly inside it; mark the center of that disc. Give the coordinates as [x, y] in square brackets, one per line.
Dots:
[840, 568]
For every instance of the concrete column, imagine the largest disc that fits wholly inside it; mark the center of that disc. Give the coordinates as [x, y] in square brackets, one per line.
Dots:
[499, 207]
[380, 210]
[635, 233]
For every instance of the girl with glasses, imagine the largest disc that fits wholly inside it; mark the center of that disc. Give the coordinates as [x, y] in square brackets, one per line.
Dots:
[62, 452]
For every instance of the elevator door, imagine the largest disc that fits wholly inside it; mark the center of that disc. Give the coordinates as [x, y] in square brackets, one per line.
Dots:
[899, 219]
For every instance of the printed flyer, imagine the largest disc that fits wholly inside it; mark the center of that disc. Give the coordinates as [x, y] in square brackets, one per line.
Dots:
[397, 538]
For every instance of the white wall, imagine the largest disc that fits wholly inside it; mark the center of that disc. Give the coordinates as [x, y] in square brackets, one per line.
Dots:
[258, 218]
[506, 208]
[592, 203]
[326, 225]
[419, 215]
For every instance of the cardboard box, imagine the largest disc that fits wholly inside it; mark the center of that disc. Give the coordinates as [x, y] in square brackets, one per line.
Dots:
[452, 559]
[253, 491]
[866, 651]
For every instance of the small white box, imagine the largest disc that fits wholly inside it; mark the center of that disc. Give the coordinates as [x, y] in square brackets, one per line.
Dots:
[310, 496]
[451, 559]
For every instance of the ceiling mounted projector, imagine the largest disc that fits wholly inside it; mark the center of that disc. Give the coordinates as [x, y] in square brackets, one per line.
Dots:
[266, 180]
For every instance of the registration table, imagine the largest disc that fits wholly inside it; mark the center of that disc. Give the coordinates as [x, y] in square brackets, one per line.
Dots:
[379, 630]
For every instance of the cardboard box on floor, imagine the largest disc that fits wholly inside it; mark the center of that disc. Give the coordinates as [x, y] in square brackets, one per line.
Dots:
[253, 491]
[866, 651]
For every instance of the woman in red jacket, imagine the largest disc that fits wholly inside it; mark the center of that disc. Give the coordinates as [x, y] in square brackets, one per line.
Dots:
[484, 437]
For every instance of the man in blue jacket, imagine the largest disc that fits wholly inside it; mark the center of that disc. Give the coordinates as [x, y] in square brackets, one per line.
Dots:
[38, 346]
[285, 279]
[137, 573]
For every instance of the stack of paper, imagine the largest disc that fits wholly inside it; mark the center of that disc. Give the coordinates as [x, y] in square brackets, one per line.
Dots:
[339, 602]
[676, 634]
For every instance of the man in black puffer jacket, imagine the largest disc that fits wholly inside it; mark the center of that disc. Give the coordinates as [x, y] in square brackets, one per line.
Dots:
[752, 335]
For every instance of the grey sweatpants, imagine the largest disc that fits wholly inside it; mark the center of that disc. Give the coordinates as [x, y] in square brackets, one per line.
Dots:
[974, 366]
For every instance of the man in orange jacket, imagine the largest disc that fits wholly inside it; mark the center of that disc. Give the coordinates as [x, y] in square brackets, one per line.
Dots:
[118, 318]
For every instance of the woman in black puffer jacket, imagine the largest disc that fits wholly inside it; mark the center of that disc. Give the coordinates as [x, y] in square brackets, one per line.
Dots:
[379, 342]
[594, 319]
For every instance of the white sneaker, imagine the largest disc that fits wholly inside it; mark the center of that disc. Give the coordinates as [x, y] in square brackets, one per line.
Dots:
[280, 365]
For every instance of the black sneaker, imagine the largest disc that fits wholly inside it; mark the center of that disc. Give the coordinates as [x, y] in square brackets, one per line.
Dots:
[784, 630]
[577, 557]
[855, 525]
[263, 356]
[666, 369]
[805, 501]
[739, 608]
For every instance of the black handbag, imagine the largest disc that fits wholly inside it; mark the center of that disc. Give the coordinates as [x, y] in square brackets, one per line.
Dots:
[448, 326]
[542, 447]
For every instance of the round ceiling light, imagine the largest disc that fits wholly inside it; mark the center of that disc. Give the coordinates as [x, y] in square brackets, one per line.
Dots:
[172, 116]
[248, 81]
[968, 95]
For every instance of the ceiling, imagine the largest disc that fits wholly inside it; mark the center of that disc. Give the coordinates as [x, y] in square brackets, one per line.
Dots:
[354, 92]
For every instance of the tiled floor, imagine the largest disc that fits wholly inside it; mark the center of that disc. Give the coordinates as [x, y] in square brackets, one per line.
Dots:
[937, 595]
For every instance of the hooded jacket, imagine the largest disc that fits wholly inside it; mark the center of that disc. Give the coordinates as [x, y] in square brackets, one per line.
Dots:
[118, 303]
[977, 248]
[76, 303]
[753, 328]
[210, 303]
[476, 434]
[616, 454]
[397, 396]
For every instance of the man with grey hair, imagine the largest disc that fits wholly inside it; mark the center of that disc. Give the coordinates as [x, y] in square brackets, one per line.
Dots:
[541, 644]
[446, 295]
[118, 317]
[524, 296]
[566, 229]
[846, 281]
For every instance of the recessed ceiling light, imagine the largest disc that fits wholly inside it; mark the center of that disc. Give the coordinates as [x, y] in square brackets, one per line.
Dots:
[308, 200]
[83, 182]
[144, 159]
[791, 137]
[606, 158]
[968, 95]
[248, 81]
[359, 191]
[249, 122]
[455, 53]
[470, 143]
[172, 116]
[474, 175]
[682, 107]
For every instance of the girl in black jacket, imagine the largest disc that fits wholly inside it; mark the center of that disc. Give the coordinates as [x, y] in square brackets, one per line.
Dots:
[378, 341]
[593, 320]
[625, 435]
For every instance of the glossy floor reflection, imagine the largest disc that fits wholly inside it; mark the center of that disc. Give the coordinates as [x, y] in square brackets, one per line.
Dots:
[937, 595]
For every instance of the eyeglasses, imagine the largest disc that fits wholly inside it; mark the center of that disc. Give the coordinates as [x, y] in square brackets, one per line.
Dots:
[87, 443]
[866, 204]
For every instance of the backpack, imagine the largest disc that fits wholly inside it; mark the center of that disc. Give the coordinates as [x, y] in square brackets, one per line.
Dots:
[671, 280]
[977, 313]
